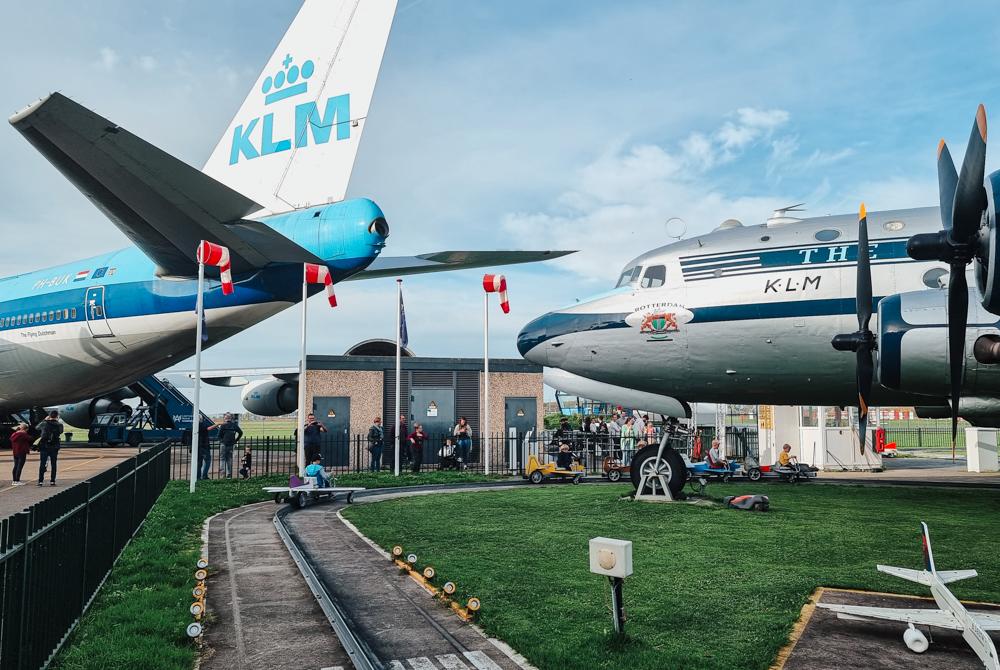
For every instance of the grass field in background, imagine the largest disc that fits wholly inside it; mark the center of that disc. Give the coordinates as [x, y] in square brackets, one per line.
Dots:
[139, 617]
[713, 589]
[268, 427]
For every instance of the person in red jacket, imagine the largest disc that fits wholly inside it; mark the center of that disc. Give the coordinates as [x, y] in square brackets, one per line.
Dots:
[20, 442]
[416, 440]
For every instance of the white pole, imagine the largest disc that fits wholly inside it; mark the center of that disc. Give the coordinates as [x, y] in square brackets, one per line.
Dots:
[399, 301]
[196, 413]
[300, 447]
[486, 381]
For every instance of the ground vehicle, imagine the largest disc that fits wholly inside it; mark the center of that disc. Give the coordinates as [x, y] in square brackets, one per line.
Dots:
[536, 472]
[302, 491]
[791, 473]
[614, 468]
[165, 414]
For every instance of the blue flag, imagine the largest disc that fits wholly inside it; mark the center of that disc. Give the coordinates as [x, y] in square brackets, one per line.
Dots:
[404, 338]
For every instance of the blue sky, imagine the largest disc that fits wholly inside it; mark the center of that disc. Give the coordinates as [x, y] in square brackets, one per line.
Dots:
[581, 125]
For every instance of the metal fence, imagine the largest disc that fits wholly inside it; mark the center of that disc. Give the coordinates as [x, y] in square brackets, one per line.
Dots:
[924, 437]
[350, 454]
[55, 555]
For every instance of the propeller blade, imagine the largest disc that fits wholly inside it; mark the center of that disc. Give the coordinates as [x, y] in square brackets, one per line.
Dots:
[947, 183]
[866, 373]
[958, 314]
[970, 195]
[864, 285]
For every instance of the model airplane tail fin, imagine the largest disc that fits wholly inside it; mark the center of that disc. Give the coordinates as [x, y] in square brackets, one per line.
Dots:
[928, 552]
[293, 142]
[918, 576]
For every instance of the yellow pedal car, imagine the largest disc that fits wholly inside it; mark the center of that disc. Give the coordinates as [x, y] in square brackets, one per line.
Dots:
[536, 472]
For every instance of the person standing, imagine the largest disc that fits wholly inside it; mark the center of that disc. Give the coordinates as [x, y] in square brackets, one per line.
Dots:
[463, 438]
[416, 440]
[628, 438]
[204, 450]
[48, 444]
[311, 432]
[614, 432]
[403, 444]
[229, 434]
[376, 442]
[20, 443]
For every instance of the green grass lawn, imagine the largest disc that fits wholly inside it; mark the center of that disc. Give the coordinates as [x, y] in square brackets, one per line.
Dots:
[268, 428]
[140, 614]
[713, 588]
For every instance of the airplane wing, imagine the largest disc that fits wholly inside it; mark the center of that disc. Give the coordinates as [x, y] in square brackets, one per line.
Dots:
[164, 206]
[395, 266]
[986, 620]
[938, 618]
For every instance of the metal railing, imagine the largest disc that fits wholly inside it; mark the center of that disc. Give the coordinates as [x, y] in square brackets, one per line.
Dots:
[56, 554]
[924, 437]
[350, 454]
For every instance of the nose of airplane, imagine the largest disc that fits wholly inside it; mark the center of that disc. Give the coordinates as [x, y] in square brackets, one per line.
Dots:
[531, 336]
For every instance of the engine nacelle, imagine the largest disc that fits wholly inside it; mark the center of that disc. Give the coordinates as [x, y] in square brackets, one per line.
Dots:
[913, 345]
[270, 397]
[915, 640]
[81, 414]
[981, 412]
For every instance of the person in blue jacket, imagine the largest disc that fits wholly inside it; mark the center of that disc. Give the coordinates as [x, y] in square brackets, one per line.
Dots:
[314, 469]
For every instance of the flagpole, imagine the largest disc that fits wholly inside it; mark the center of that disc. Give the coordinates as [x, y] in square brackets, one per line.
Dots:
[486, 381]
[399, 302]
[196, 412]
[300, 446]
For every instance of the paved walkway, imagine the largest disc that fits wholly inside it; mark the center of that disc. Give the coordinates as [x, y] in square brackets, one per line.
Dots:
[920, 470]
[262, 615]
[398, 619]
[75, 465]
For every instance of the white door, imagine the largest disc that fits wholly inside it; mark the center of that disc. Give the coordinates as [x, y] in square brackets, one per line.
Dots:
[97, 320]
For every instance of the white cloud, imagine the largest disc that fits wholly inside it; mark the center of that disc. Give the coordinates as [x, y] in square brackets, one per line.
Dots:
[146, 63]
[108, 58]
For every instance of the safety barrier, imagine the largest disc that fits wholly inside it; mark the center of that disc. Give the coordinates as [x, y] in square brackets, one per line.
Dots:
[56, 554]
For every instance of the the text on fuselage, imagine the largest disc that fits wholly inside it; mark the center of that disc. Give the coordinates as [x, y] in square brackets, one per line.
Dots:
[791, 284]
[837, 254]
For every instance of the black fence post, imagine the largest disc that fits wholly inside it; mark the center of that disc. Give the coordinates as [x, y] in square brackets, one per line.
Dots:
[22, 531]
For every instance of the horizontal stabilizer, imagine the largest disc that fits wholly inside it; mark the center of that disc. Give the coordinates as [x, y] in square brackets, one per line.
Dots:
[948, 576]
[938, 618]
[164, 206]
[394, 266]
[918, 576]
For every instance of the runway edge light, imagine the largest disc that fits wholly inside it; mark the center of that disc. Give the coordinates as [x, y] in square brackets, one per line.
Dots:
[611, 558]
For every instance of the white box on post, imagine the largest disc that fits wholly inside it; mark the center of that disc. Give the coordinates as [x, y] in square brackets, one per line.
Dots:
[611, 558]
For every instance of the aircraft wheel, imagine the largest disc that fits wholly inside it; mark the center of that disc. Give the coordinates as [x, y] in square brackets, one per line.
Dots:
[614, 475]
[671, 467]
[536, 477]
[754, 474]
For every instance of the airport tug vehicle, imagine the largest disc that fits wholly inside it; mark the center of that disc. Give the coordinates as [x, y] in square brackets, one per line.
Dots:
[303, 491]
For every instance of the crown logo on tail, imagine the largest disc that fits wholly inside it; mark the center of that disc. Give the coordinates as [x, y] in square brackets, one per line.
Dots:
[287, 82]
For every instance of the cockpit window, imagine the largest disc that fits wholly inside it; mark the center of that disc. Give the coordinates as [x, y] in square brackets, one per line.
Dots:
[628, 276]
[655, 275]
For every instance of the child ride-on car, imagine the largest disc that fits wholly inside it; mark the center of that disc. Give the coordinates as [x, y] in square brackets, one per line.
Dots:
[567, 466]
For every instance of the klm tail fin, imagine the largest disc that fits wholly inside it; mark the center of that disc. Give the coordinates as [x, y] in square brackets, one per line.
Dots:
[293, 142]
[928, 553]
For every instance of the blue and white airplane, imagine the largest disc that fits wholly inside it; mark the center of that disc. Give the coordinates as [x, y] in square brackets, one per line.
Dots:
[272, 192]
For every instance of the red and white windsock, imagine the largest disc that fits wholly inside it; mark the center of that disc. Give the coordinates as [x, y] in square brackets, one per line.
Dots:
[217, 255]
[497, 284]
[320, 274]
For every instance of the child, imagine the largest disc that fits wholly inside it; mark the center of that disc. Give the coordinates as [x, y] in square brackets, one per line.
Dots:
[245, 463]
[316, 470]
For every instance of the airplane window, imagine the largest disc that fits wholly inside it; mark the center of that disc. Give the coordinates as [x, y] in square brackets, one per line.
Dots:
[894, 226]
[932, 278]
[65, 314]
[628, 276]
[31, 319]
[52, 316]
[44, 317]
[827, 235]
[72, 313]
[655, 276]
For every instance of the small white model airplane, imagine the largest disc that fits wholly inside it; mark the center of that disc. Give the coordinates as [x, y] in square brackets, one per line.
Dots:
[952, 614]
[302, 491]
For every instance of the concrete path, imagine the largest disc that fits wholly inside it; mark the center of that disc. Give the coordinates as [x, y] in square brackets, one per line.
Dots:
[75, 465]
[261, 613]
[920, 470]
[396, 617]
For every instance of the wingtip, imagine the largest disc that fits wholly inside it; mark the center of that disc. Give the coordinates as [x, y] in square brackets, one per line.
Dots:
[22, 114]
[981, 121]
[862, 212]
